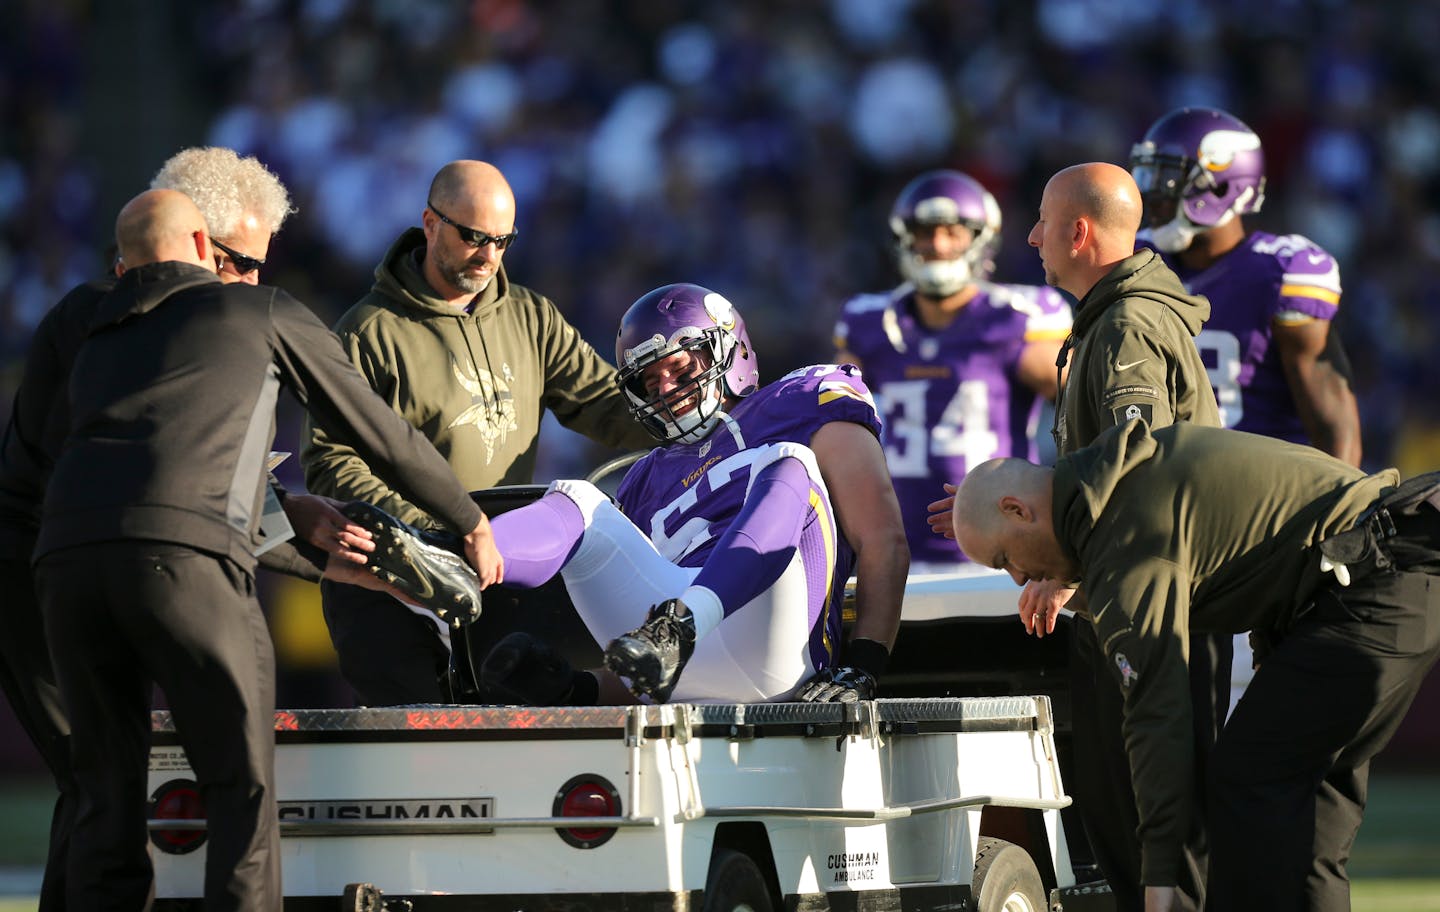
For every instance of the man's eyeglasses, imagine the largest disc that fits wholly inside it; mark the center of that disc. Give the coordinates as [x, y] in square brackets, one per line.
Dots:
[474, 236]
[243, 264]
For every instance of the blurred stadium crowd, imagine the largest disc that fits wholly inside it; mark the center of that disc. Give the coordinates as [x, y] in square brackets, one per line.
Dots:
[753, 147]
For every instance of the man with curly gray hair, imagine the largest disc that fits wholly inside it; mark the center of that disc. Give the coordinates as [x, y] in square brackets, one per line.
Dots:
[243, 205]
[243, 202]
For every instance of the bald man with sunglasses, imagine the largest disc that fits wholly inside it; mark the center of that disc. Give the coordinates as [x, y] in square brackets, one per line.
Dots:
[472, 360]
[150, 535]
[242, 201]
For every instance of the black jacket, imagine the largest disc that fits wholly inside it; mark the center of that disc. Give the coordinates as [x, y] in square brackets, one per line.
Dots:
[40, 416]
[172, 402]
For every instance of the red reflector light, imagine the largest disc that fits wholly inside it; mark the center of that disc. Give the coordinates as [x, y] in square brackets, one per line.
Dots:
[586, 795]
[178, 799]
[586, 800]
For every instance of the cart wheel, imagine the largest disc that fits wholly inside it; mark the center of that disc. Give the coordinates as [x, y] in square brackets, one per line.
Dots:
[735, 884]
[361, 897]
[1006, 879]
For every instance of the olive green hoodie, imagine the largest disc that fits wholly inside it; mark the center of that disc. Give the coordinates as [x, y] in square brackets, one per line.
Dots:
[475, 383]
[1192, 529]
[1132, 354]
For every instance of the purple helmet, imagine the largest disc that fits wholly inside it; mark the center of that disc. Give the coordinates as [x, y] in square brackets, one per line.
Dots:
[945, 198]
[675, 318]
[1197, 168]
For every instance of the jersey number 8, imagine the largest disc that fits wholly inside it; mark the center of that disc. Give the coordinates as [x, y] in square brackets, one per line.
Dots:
[1220, 351]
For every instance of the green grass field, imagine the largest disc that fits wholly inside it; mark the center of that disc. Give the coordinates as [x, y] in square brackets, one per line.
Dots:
[1395, 868]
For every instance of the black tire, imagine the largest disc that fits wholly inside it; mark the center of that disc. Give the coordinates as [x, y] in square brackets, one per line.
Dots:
[361, 897]
[1006, 879]
[735, 884]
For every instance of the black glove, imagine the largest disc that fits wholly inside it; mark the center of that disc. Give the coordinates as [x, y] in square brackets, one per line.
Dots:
[840, 684]
[848, 683]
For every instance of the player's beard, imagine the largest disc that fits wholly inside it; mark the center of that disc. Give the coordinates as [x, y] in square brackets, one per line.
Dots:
[453, 271]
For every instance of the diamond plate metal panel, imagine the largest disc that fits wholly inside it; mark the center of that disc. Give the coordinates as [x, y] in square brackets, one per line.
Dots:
[437, 718]
[1021, 712]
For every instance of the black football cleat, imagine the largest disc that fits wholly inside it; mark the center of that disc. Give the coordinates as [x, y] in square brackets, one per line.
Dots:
[526, 671]
[423, 565]
[653, 655]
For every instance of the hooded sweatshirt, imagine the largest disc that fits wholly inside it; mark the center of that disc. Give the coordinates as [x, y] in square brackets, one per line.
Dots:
[475, 383]
[1132, 354]
[1192, 529]
[172, 404]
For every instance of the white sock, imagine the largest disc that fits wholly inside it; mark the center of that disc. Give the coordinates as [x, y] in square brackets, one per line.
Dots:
[705, 607]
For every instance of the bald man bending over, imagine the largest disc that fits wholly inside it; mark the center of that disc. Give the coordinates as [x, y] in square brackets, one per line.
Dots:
[473, 361]
[1131, 354]
[147, 545]
[1188, 529]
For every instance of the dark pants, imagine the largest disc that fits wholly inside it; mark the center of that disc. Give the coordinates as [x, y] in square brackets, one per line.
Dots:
[389, 654]
[1289, 772]
[1103, 789]
[29, 682]
[120, 616]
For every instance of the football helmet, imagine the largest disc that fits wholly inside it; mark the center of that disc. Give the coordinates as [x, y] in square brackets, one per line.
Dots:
[675, 318]
[945, 198]
[1197, 168]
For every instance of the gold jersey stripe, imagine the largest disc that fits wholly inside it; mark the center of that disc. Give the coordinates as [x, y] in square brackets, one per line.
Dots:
[1047, 335]
[1310, 291]
[827, 532]
[833, 394]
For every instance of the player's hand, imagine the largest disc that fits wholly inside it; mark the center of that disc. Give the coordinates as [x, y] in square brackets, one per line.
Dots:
[840, 684]
[1040, 604]
[318, 520]
[941, 521]
[1159, 899]
[482, 554]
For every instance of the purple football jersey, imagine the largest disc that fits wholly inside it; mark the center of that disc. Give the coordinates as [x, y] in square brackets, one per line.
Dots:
[949, 397]
[1264, 281]
[684, 496]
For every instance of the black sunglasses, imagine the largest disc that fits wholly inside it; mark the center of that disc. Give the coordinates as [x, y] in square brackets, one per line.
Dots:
[474, 236]
[243, 264]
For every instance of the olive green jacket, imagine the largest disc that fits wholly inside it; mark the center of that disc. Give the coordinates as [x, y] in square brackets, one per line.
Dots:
[1192, 529]
[1132, 354]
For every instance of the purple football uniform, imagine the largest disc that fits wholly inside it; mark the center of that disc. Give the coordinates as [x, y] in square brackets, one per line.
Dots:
[684, 496]
[950, 397]
[1268, 279]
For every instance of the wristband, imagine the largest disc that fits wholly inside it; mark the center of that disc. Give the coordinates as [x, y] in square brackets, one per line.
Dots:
[869, 656]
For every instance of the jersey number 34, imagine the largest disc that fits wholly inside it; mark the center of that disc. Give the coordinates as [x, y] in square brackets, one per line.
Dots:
[912, 438]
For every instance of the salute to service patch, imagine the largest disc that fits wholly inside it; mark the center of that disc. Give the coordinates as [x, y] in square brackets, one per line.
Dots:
[1127, 411]
[1134, 410]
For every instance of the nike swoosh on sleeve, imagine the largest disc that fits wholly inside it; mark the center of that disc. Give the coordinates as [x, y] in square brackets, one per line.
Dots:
[1126, 367]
